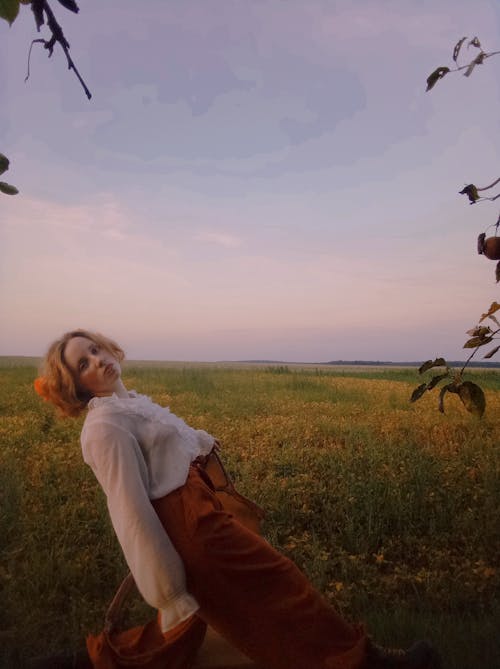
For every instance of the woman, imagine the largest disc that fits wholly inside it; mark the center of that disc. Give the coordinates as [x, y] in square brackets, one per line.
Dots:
[187, 555]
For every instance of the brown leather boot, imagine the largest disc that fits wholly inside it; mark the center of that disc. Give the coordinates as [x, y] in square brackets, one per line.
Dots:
[420, 655]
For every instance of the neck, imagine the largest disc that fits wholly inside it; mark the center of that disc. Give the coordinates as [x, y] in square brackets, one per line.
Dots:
[120, 389]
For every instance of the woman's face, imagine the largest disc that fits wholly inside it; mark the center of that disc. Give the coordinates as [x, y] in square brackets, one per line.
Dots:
[94, 368]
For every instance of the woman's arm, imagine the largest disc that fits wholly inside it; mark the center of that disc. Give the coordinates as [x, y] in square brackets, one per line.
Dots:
[117, 462]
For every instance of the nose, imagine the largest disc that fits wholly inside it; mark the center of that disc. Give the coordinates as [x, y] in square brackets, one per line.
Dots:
[98, 360]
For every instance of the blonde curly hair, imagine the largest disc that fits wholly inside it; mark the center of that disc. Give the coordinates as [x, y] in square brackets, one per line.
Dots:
[56, 383]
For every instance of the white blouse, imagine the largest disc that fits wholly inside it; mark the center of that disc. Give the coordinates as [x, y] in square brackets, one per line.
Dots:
[140, 451]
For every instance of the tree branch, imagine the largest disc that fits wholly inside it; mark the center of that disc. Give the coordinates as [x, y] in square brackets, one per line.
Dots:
[57, 37]
[478, 60]
[490, 186]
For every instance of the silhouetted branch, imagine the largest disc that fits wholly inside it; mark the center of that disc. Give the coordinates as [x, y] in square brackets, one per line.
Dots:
[441, 71]
[491, 185]
[40, 7]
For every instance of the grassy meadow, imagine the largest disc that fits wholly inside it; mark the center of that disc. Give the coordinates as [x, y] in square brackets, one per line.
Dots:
[392, 509]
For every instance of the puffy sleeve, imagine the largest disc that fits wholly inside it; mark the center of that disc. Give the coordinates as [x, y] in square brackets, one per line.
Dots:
[116, 459]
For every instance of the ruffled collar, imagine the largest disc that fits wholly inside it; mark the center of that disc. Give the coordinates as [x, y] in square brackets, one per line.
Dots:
[135, 403]
[113, 399]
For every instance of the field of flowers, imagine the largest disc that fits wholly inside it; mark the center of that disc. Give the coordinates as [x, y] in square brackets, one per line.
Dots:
[392, 509]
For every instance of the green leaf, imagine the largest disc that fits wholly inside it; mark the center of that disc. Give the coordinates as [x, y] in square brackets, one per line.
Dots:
[70, 4]
[494, 307]
[479, 331]
[480, 243]
[9, 9]
[4, 163]
[8, 189]
[471, 191]
[418, 392]
[429, 364]
[472, 397]
[433, 78]
[448, 388]
[478, 60]
[475, 342]
[457, 48]
[442, 393]
[436, 379]
[491, 353]
[494, 319]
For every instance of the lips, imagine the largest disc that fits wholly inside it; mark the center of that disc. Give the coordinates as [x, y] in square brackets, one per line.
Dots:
[109, 368]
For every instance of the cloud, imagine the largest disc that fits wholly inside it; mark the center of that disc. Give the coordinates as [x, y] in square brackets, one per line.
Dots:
[105, 217]
[219, 239]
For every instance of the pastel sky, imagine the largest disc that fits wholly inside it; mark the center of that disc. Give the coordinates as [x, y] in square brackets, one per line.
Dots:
[252, 179]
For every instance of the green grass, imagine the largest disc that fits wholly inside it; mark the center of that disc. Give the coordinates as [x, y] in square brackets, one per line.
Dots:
[392, 509]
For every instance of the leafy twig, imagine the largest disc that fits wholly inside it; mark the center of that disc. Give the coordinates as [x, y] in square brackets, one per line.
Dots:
[441, 71]
[472, 193]
[471, 395]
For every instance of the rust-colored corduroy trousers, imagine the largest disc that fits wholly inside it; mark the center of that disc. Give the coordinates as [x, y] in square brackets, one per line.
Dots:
[248, 592]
